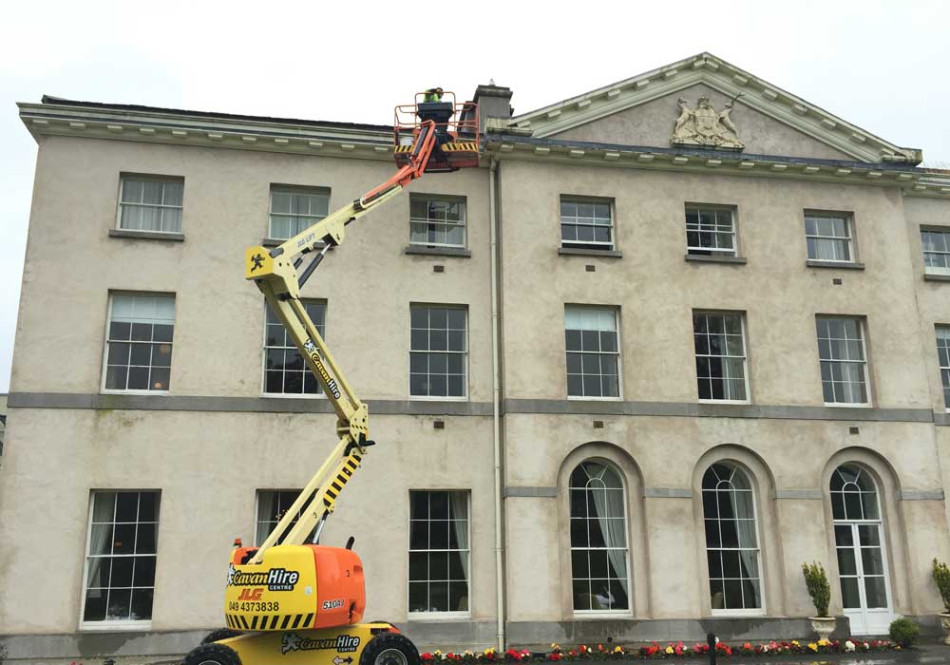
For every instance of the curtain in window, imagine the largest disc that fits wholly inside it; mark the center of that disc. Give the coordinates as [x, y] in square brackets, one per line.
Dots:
[100, 538]
[265, 515]
[610, 504]
[459, 510]
[747, 538]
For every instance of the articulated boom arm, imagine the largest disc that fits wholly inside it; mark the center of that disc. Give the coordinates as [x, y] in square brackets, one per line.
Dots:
[275, 271]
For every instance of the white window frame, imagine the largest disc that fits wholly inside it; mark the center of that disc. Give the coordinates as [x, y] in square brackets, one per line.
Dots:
[123, 177]
[945, 329]
[319, 394]
[866, 362]
[935, 270]
[716, 209]
[882, 534]
[439, 616]
[292, 189]
[745, 357]
[443, 198]
[593, 614]
[592, 245]
[114, 625]
[616, 314]
[848, 219]
[465, 356]
[744, 612]
[105, 351]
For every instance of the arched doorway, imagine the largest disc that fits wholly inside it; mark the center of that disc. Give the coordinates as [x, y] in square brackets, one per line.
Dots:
[861, 550]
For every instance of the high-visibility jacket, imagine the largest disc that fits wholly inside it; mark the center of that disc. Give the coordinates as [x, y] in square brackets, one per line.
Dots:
[432, 96]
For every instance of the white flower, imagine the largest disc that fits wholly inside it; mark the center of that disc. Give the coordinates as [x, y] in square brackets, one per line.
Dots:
[849, 645]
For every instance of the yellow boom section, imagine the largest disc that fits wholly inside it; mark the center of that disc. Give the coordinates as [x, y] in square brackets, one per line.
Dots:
[275, 271]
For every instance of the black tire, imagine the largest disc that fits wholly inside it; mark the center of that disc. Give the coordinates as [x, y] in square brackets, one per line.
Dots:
[219, 634]
[386, 649]
[212, 654]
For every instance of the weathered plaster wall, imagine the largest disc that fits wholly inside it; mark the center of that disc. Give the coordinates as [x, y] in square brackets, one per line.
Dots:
[656, 291]
[72, 264]
[208, 467]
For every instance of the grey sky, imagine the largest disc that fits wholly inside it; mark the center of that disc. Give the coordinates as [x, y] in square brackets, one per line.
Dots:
[880, 65]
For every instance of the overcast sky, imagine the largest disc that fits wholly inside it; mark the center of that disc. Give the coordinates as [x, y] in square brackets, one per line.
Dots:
[879, 65]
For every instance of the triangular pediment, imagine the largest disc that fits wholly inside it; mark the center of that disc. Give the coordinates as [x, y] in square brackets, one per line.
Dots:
[643, 111]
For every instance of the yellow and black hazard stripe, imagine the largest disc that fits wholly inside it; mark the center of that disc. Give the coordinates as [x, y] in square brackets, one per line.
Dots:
[269, 621]
[460, 146]
[344, 472]
[402, 148]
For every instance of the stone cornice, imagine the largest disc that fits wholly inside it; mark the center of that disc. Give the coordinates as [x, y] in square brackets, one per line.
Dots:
[729, 80]
[207, 130]
[142, 124]
[913, 181]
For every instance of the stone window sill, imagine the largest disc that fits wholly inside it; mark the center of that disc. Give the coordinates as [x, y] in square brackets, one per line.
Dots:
[146, 235]
[934, 277]
[837, 265]
[423, 250]
[601, 253]
[712, 258]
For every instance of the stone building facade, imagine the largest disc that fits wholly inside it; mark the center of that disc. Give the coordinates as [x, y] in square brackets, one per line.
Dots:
[673, 338]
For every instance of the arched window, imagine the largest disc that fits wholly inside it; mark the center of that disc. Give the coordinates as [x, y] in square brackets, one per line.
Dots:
[859, 543]
[732, 541]
[599, 538]
[853, 495]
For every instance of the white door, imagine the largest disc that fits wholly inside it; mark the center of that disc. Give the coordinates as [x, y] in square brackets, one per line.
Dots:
[862, 555]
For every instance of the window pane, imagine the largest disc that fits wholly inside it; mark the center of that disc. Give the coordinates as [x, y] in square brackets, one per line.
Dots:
[586, 223]
[435, 331]
[720, 356]
[828, 237]
[139, 318]
[599, 558]
[437, 221]
[439, 551]
[117, 531]
[841, 350]
[710, 231]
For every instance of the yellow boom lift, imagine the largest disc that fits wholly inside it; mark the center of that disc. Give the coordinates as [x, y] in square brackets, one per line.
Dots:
[289, 600]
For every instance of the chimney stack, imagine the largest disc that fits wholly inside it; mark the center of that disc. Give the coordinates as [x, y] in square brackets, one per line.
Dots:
[493, 102]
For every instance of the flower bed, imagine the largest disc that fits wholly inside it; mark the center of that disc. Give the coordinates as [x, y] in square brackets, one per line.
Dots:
[655, 650]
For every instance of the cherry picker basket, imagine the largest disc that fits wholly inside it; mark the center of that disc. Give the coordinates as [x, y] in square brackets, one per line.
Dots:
[456, 126]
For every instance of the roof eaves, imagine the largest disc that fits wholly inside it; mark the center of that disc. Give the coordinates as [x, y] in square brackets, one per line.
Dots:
[138, 108]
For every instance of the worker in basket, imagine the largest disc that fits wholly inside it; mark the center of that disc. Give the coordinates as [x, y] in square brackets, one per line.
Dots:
[433, 108]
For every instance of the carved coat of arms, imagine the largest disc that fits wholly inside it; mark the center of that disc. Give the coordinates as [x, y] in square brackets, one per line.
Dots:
[706, 126]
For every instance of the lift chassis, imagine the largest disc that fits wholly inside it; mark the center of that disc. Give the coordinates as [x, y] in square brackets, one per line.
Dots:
[289, 600]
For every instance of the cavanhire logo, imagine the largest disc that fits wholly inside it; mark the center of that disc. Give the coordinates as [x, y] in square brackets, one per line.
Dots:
[340, 643]
[275, 579]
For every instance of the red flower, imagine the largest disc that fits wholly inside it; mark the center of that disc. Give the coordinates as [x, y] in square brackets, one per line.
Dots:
[426, 657]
